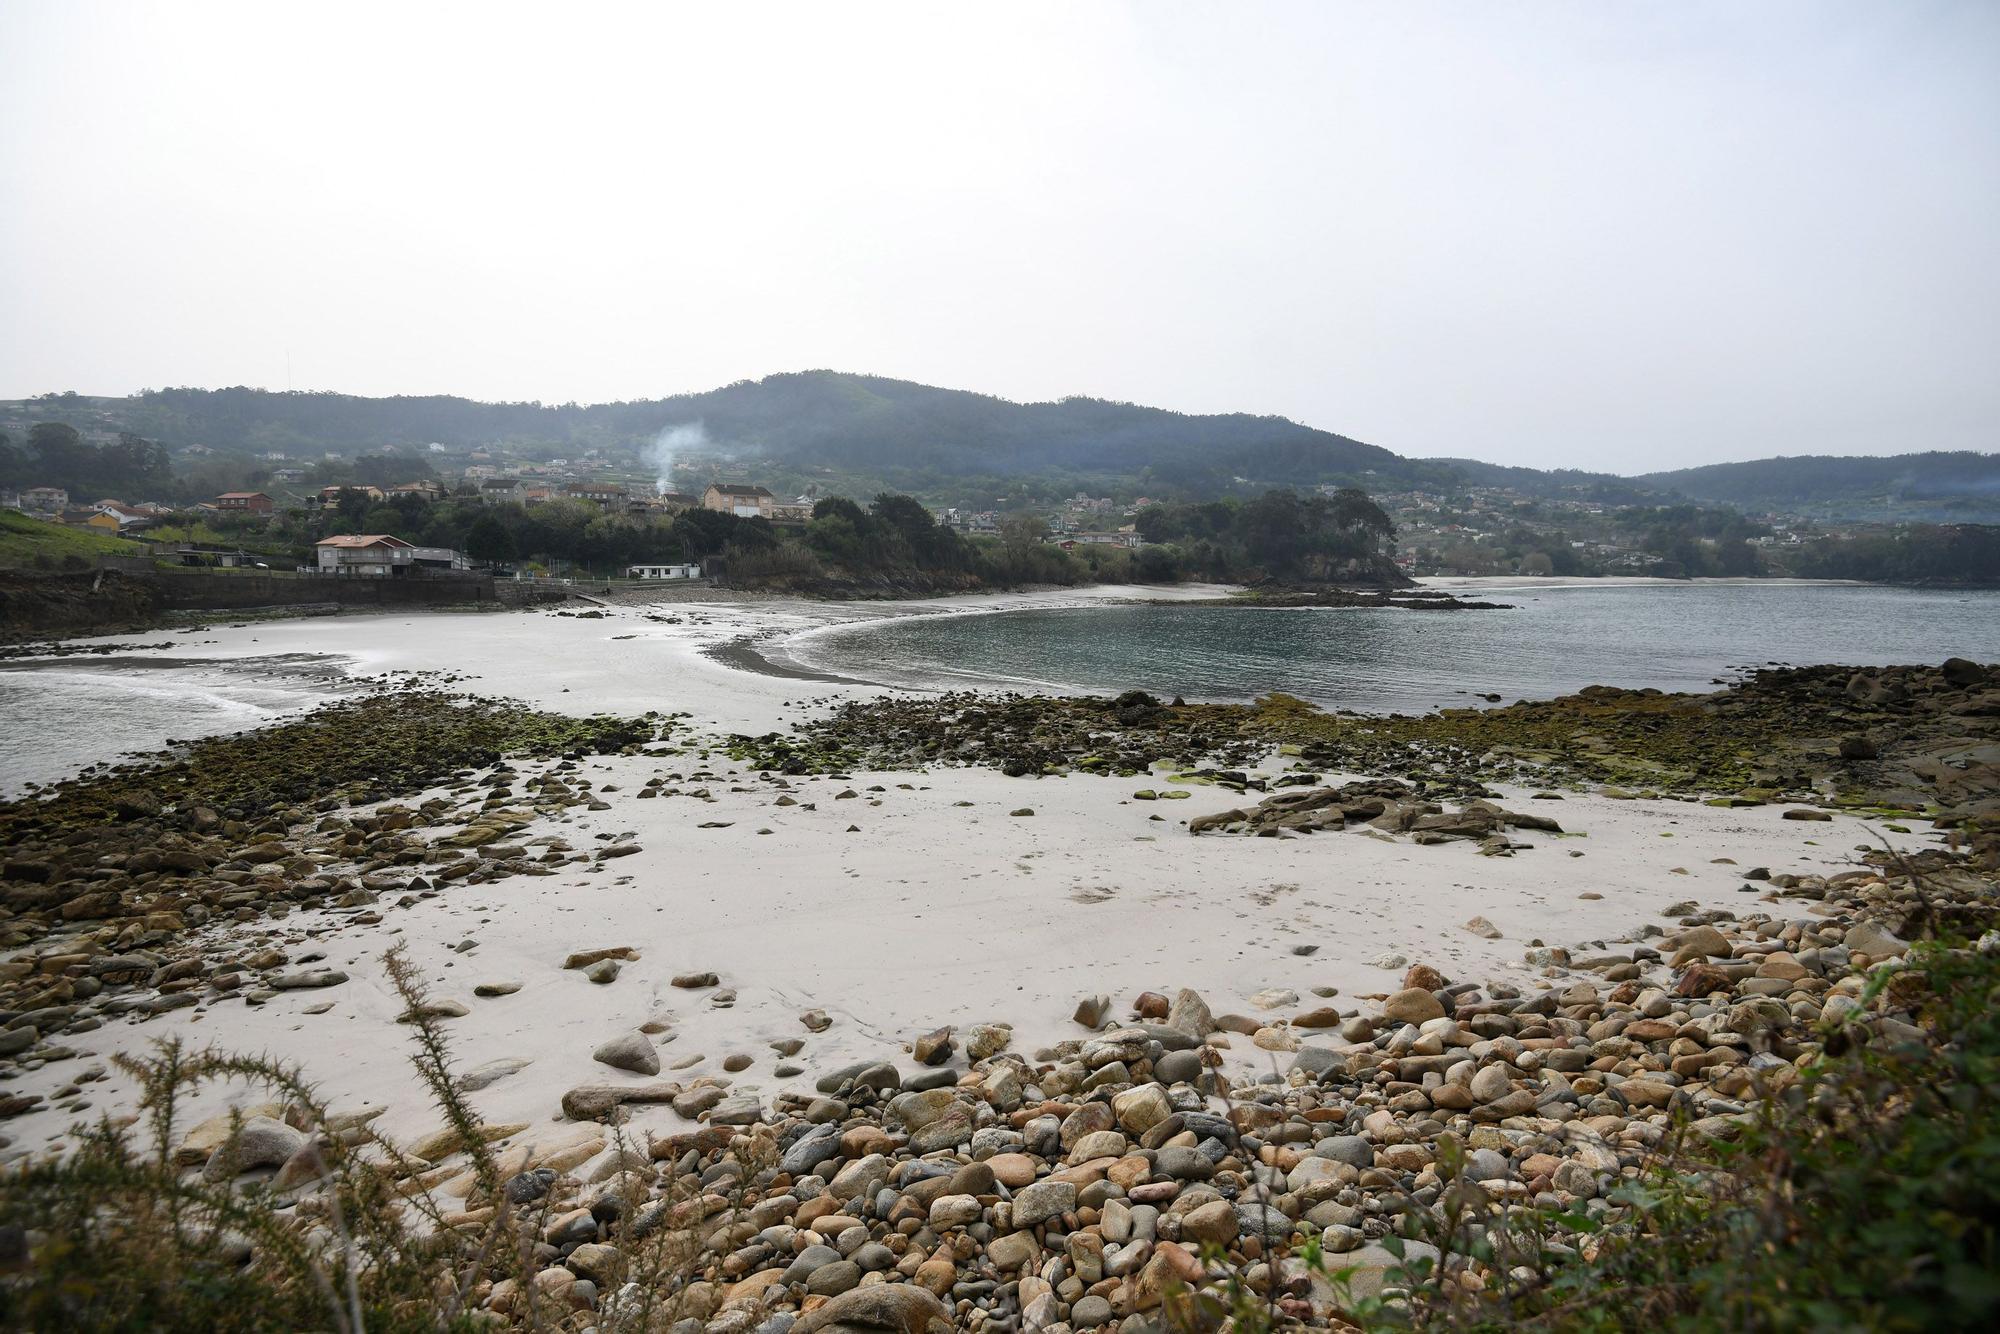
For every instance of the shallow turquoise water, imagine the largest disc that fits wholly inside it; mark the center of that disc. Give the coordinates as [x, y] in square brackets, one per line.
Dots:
[1557, 639]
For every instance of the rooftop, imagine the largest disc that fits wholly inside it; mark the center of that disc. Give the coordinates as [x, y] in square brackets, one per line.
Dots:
[355, 540]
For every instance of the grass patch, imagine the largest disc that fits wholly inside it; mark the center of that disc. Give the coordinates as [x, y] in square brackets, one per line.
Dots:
[29, 543]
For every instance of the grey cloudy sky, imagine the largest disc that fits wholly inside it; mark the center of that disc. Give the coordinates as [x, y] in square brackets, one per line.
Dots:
[1620, 236]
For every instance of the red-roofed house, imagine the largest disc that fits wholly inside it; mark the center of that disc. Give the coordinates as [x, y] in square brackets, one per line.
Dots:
[378, 556]
[244, 502]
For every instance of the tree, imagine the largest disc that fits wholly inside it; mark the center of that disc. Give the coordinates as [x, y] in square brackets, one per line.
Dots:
[841, 507]
[1155, 565]
[352, 503]
[909, 520]
[489, 540]
[1023, 530]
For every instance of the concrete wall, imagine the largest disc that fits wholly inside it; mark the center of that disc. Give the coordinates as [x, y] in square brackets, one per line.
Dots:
[196, 590]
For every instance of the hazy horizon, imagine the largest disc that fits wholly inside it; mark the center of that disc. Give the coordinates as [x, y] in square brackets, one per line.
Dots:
[1625, 239]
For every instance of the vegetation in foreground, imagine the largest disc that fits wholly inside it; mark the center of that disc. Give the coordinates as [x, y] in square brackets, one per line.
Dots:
[1865, 1196]
[129, 1232]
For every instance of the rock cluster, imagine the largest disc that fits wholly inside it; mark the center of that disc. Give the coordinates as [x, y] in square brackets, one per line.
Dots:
[1383, 805]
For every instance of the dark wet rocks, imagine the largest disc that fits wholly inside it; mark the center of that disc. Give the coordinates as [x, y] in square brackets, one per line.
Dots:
[1381, 805]
[1779, 734]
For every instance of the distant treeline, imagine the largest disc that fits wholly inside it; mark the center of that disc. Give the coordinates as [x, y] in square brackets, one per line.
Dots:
[1960, 553]
[54, 454]
[893, 538]
[1279, 536]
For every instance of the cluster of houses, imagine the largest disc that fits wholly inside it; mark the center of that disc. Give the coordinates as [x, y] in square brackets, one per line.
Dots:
[106, 516]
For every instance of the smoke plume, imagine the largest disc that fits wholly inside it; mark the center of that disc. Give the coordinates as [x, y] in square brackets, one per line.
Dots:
[670, 442]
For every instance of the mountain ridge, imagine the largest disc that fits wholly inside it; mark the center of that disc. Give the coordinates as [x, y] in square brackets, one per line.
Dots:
[905, 431]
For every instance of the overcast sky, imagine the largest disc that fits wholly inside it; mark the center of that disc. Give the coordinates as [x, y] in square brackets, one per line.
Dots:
[1617, 236]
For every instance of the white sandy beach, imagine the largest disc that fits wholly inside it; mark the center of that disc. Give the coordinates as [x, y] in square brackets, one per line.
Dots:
[940, 908]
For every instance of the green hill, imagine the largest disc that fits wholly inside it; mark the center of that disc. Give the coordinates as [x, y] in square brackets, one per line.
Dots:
[873, 431]
[893, 429]
[1961, 487]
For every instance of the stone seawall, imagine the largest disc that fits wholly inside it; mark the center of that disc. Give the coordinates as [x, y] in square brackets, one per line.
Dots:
[107, 601]
[197, 590]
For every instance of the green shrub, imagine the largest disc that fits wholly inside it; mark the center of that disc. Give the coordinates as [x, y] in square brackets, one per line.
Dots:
[119, 1236]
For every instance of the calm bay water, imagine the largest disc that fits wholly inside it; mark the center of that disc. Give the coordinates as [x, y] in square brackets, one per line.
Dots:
[59, 715]
[1557, 639]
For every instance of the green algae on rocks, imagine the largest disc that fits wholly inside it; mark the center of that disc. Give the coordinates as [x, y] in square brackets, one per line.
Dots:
[356, 751]
[1900, 738]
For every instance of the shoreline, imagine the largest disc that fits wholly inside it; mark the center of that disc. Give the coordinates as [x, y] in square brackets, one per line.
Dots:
[746, 655]
[896, 898]
[645, 938]
[1218, 914]
[1425, 593]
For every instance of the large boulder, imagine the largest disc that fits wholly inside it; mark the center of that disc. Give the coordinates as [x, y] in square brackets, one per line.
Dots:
[901, 1307]
[1412, 1006]
[1190, 1014]
[631, 1051]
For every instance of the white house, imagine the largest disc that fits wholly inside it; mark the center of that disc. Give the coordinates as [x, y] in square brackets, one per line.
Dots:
[663, 571]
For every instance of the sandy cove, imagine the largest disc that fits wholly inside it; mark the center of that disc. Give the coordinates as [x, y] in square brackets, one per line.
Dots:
[930, 913]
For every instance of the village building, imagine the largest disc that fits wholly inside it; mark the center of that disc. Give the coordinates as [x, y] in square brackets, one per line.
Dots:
[663, 572]
[745, 502]
[46, 499]
[244, 502]
[381, 556]
[427, 490]
[604, 493]
[206, 555]
[329, 496]
[1123, 538]
[121, 517]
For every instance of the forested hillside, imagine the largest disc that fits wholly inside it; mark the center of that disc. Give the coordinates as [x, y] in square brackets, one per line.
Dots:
[865, 424]
[877, 433]
[1961, 486]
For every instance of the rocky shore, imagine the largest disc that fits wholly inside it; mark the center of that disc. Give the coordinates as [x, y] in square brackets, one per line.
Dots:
[1299, 1147]
[1111, 1179]
[1920, 739]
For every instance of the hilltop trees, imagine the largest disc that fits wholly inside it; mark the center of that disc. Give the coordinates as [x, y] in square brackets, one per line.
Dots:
[56, 454]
